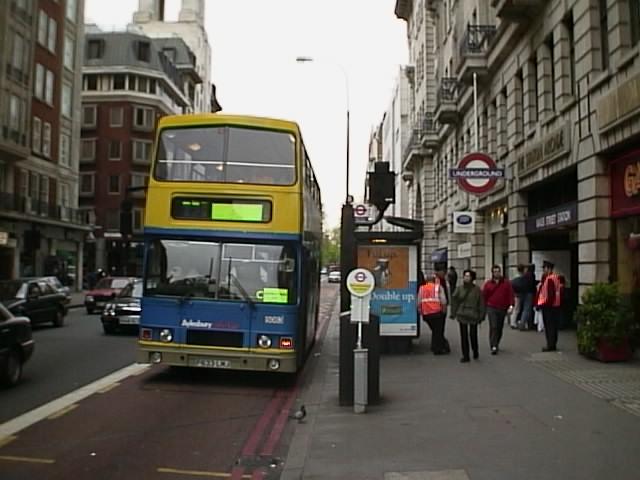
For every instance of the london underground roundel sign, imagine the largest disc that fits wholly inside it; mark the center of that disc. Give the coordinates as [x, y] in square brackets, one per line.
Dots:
[476, 173]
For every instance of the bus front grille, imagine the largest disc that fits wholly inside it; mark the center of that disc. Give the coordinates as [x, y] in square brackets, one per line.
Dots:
[215, 339]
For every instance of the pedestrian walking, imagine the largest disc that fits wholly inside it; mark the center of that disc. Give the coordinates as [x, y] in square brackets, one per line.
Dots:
[499, 299]
[467, 307]
[432, 305]
[452, 278]
[548, 299]
[524, 288]
[441, 278]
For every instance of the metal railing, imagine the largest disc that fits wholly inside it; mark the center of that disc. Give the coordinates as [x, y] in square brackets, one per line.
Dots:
[429, 124]
[12, 202]
[476, 39]
[448, 90]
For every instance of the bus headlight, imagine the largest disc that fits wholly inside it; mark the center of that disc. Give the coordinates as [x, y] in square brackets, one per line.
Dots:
[264, 341]
[155, 357]
[166, 335]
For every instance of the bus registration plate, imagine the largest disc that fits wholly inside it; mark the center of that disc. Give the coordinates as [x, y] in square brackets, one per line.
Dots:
[205, 362]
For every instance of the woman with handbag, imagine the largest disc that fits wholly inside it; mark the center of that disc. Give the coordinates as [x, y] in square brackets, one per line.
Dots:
[467, 307]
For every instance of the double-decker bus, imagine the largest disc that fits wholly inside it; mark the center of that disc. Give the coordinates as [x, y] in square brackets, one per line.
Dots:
[233, 230]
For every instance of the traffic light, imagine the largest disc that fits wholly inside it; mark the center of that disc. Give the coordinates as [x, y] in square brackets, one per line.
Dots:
[382, 186]
[126, 217]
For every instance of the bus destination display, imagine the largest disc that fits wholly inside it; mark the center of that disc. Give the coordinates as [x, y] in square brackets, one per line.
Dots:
[220, 209]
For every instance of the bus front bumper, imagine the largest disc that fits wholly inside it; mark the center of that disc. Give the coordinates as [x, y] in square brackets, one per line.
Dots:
[224, 359]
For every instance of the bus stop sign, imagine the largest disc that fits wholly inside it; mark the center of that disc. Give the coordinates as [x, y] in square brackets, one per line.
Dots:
[360, 282]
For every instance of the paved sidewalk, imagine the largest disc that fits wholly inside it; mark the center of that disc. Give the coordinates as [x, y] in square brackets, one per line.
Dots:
[77, 299]
[521, 414]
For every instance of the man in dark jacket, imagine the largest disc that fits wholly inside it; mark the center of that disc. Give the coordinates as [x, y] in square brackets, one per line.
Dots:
[524, 287]
[499, 299]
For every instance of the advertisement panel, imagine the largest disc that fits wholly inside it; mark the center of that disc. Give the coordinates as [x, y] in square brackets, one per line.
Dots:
[394, 268]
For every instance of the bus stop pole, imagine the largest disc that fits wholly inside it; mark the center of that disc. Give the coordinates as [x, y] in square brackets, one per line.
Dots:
[347, 253]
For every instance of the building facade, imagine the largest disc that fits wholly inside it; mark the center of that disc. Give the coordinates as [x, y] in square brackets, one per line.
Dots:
[129, 81]
[549, 90]
[150, 18]
[41, 229]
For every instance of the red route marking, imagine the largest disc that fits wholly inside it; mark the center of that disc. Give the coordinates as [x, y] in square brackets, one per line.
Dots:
[275, 435]
[254, 437]
[278, 428]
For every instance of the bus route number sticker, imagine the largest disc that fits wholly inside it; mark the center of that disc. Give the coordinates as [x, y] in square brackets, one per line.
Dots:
[360, 282]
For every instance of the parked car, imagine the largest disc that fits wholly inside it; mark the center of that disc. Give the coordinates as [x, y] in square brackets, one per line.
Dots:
[56, 284]
[105, 290]
[124, 310]
[16, 346]
[334, 277]
[35, 299]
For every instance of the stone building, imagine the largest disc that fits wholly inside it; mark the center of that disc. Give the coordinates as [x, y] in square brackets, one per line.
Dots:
[41, 229]
[549, 90]
[129, 81]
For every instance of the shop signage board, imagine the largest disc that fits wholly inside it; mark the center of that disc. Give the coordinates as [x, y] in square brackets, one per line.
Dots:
[476, 173]
[552, 146]
[464, 222]
[564, 215]
[464, 250]
[394, 268]
[625, 185]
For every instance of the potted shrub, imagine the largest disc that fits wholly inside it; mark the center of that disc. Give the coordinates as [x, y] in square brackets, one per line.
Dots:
[604, 324]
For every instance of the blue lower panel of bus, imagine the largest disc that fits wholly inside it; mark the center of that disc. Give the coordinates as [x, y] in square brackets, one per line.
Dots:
[218, 324]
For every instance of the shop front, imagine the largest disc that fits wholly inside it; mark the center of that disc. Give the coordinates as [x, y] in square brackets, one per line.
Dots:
[625, 212]
[552, 236]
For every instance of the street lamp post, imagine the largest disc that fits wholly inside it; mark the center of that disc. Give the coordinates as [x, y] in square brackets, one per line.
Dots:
[348, 252]
[346, 89]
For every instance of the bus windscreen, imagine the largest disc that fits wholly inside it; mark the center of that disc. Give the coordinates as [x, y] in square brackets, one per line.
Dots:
[226, 154]
[250, 272]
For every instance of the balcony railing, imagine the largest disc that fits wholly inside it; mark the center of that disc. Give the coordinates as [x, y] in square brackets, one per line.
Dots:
[474, 50]
[12, 202]
[477, 39]
[447, 100]
[430, 130]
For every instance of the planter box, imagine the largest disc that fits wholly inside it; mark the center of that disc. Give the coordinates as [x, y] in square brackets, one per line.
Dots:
[608, 352]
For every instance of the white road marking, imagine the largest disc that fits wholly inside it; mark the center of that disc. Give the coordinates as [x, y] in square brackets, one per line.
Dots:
[34, 416]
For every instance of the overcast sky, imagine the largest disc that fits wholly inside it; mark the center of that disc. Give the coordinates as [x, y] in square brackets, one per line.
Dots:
[254, 45]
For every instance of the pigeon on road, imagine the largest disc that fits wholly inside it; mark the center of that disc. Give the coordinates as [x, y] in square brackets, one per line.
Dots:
[299, 414]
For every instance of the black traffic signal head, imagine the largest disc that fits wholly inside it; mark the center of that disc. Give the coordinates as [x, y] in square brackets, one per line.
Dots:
[382, 186]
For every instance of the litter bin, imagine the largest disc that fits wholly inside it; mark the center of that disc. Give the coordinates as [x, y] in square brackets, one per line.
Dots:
[370, 341]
